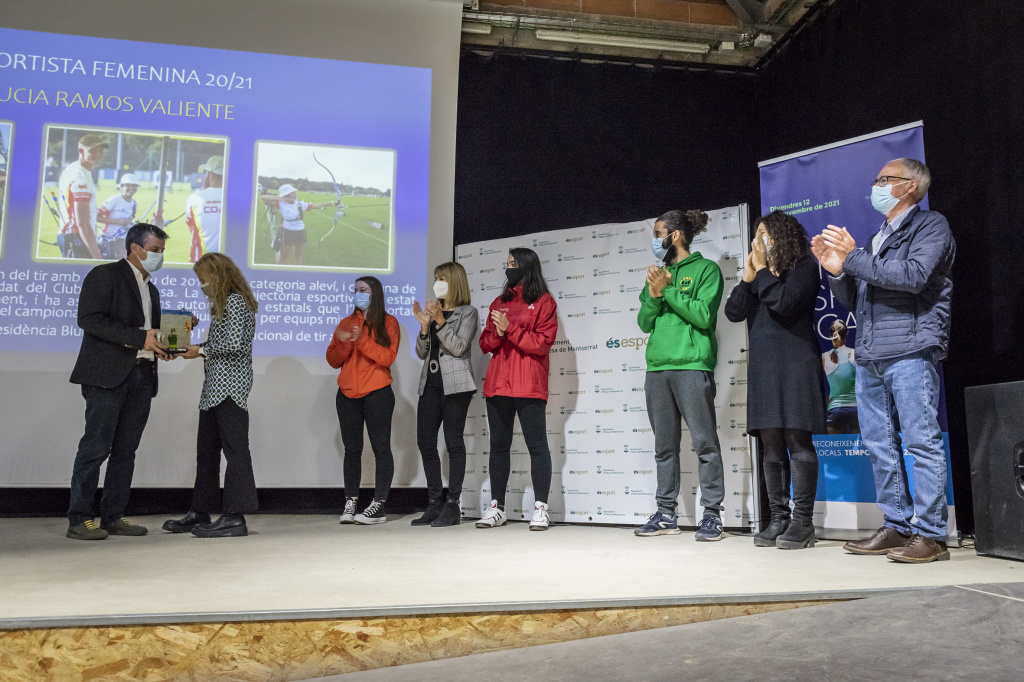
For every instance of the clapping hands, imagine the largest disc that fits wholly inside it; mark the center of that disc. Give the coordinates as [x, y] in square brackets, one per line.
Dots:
[347, 335]
[831, 248]
[658, 277]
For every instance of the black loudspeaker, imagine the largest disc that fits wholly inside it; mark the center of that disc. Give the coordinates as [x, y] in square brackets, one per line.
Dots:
[995, 432]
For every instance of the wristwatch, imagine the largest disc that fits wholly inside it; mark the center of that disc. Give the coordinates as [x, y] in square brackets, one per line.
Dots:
[202, 351]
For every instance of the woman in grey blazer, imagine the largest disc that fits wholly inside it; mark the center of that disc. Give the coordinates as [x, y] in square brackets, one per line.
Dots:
[448, 328]
[223, 414]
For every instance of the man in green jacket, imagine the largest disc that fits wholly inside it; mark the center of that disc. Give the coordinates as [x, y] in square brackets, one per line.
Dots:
[679, 309]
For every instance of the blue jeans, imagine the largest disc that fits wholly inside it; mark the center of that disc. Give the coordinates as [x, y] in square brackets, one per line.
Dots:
[908, 387]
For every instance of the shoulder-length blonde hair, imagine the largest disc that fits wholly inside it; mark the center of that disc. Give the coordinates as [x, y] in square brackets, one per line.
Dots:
[223, 278]
[458, 286]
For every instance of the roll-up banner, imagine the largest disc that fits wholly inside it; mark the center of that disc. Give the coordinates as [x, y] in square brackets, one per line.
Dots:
[601, 441]
[832, 185]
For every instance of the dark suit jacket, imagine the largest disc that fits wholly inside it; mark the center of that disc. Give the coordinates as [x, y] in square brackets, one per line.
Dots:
[110, 314]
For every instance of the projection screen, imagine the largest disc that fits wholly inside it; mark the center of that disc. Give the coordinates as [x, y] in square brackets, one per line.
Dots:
[352, 102]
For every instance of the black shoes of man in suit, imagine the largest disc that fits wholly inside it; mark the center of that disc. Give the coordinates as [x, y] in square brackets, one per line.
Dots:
[199, 524]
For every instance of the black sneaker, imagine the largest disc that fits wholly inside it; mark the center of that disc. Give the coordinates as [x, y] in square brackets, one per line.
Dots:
[348, 515]
[375, 513]
[710, 529]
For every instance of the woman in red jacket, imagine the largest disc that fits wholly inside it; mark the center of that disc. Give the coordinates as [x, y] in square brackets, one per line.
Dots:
[519, 332]
[364, 347]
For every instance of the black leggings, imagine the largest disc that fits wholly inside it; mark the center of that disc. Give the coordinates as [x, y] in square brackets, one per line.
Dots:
[783, 445]
[501, 416]
[435, 410]
[375, 410]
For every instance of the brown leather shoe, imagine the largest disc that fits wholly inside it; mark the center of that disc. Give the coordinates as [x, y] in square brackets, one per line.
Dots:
[920, 550]
[882, 541]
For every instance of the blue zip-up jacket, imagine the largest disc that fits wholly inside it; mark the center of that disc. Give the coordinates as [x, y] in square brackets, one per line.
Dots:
[901, 296]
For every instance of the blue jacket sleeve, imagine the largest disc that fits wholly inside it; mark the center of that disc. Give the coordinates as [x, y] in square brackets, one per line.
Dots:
[931, 246]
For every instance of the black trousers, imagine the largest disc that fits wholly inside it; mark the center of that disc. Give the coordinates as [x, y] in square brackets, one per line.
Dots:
[501, 415]
[114, 421]
[224, 427]
[435, 409]
[374, 410]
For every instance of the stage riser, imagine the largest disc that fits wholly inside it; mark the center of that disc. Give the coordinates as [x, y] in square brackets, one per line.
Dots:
[300, 650]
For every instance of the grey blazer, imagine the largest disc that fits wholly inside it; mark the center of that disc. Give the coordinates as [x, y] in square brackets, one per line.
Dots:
[456, 338]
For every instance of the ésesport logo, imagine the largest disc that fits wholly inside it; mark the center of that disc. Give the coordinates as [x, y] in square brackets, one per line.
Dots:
[633, 342]
[575, 276]
[643, 472]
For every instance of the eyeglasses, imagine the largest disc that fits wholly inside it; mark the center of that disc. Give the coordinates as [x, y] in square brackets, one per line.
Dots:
[883, 180]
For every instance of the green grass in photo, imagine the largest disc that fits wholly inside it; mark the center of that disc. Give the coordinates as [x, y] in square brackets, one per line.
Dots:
[354, 245]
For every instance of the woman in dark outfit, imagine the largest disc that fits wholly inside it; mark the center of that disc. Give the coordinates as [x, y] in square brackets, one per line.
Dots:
[223, 413]
[785, 396]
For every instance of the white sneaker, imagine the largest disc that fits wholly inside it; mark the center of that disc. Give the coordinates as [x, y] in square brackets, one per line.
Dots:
[540, 517]
[492, 517]
[349, 513]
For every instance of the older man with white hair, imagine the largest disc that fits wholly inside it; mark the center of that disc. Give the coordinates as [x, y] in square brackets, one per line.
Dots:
[899, 288]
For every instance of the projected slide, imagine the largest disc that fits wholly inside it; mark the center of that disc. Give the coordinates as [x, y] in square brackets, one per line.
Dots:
[307, 172]
[5, 160]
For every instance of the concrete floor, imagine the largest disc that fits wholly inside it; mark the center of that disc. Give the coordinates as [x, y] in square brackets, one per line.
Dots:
[294, 565]
[948, 633]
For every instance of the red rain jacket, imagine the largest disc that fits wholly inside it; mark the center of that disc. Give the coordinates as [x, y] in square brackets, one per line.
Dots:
[519, 359]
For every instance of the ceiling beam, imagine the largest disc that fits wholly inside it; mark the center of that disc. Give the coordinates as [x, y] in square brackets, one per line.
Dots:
[750, 12]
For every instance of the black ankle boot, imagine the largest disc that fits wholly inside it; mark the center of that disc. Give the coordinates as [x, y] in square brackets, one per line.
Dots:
[451, 515]
[767, 537]
[227, 526]
[186, 523]
[799, 535]
[432, 512]
[776, 481]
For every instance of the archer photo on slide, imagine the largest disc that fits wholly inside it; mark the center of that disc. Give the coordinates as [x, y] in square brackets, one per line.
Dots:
[6, 128]
[323, 207]
[98, 182]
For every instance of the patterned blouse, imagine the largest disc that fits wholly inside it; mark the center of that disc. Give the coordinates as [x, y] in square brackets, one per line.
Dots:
[228, 351]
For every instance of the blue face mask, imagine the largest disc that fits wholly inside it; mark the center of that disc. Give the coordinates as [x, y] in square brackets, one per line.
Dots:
[362, 300]
[882, 198]
[658, 247]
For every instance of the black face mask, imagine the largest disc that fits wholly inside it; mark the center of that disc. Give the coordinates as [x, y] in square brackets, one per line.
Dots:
[513, 275]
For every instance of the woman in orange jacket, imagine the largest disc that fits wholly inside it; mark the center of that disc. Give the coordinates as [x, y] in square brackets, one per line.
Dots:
[364, 347]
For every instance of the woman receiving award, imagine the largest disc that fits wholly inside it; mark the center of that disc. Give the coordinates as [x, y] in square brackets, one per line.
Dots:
[223, 415]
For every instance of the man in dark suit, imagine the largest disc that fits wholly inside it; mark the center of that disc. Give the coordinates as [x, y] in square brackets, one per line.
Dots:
[119, 311]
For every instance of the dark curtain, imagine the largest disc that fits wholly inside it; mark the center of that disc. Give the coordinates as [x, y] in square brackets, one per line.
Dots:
[546, 144]
[866, 66]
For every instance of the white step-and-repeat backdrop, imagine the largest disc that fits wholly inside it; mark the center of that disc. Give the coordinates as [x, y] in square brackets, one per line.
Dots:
[601, 442]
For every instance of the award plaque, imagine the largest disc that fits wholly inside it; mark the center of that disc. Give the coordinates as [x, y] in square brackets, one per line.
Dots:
[176, 330]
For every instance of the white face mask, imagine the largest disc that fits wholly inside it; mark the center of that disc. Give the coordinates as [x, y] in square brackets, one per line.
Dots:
[152, 262]
[440, 289]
